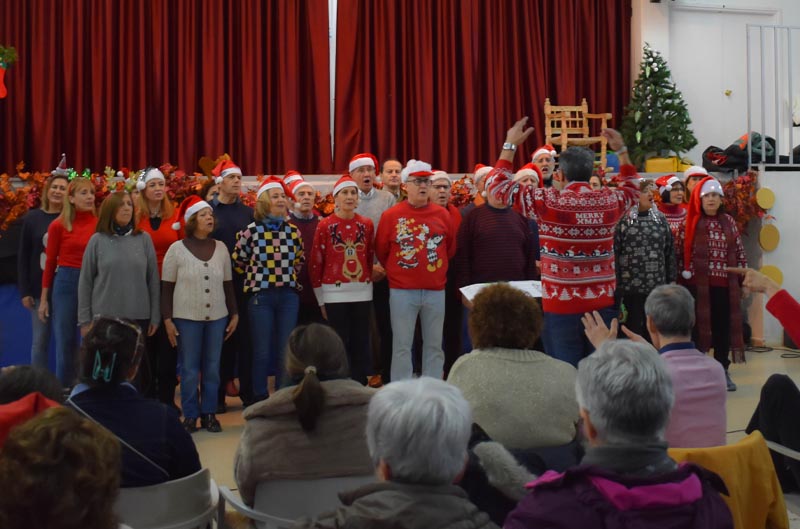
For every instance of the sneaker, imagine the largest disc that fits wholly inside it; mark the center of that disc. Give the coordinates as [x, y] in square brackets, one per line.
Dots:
[190, 425]
[729, 382]
[210, 423]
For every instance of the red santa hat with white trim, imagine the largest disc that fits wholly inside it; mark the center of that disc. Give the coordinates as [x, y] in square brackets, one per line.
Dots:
[665, 182]
[190, 205]
[530, 169]
[293, 183]
[272, 182]
[544, 149]
[151, 173]
[224, 168]
[480, 171]
[707, 185]
[694, 170]
[361, 160]
[342, 183]
[61, 169]
[439, 174]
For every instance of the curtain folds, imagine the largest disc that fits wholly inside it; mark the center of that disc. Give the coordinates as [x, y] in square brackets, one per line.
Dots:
[132, 82]
[441, 80]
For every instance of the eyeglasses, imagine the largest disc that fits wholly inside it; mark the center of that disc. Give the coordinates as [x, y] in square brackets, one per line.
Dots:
[419, 181]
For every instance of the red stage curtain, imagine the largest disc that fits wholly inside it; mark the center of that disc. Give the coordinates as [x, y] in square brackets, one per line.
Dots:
[132, 82]
[441, 80]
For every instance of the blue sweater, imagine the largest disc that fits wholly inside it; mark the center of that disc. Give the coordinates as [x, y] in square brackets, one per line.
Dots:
[231, 219]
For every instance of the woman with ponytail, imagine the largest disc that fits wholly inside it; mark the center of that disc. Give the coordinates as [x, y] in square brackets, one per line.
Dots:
[311, 429]
[155, 447]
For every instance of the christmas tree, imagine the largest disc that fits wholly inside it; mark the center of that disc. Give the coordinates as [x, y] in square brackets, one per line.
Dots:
[656, 121]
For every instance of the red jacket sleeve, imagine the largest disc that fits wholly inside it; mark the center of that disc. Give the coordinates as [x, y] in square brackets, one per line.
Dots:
[382, 238]
[54, 233]
[784, 307]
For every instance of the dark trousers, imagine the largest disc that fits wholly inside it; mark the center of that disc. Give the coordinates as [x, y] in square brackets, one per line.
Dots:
[309, 313]
[159, 380]
[237, 352]
[636, 319]
[348, 321]
[452, 325]
[776, 418]
[720, 306]
[382, 361]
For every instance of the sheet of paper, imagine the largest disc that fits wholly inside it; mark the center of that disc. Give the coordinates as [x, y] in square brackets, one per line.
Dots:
[532, 288]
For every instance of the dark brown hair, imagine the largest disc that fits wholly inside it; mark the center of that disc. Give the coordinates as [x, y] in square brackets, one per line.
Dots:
[191, 224]
[111, 351]
[108, 211]
[503, 316]
[313, 352]
[18, 381]
[60, 471]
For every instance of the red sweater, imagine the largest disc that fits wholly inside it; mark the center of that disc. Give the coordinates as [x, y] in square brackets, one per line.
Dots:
[341, 260]
[676, 217]
[65, 248]
[576, 235]
[784, 307]
[415, 244]
[163, 237]
[717, 253]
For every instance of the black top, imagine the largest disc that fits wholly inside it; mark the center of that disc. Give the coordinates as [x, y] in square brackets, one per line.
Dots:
[31, 256]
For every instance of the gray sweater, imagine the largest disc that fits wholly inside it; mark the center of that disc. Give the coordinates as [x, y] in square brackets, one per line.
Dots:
[373, 204]
[119, 278]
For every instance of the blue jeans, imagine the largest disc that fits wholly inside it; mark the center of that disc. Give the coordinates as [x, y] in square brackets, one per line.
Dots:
[563, 335]
[200, 346]
[40, 345]
[405, 305]
[64, 312]
[273, 315]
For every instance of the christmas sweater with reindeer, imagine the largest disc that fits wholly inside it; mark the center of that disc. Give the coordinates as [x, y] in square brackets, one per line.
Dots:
[414, 245]
[576, 235]
[341, 260]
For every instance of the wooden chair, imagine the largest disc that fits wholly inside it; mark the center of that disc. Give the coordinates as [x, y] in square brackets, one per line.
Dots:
[185, 503]
[569, 125]
[279, 503]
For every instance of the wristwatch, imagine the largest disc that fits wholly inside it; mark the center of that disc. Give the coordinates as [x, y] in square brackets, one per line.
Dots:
[509, 147]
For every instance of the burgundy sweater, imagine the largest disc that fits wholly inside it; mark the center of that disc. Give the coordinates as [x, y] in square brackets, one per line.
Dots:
[308, 228]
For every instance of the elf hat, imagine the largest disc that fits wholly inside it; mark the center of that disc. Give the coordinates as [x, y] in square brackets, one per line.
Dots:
[709, 184]
[438, 174]
[223, 169]
[191, 205]
[694, 170]
[61, 170]
[272, 182]
[415, 168]
[665, 182]
[342, 183]
[544, 149]
[529, 169]
[151, 173]
[480, 172]
[361, 160]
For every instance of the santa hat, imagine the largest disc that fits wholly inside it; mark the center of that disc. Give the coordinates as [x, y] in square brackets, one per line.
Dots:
[361, 160]
[191, 205]
[342, 183]
[151, 173]
[61, 170]
[223, 169]
[480, 171]
[529, 169]
[296, 183]
[415, 168]
[292, 176]
[694, 170]
[270, 183]
[665, 182]
[707, 185]
[438, 174]
[544, 149]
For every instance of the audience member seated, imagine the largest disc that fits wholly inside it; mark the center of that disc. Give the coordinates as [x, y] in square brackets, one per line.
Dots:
[520, 397]
[59, 471]
[155, 447]
[626, 478]
[417, 431]
[698, 417]
[25, 391]
[312, 429]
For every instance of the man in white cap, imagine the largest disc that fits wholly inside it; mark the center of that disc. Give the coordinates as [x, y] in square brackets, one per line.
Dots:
[415, 242]
[372, 202]
[232, 215]
[545, 159]
[303, 215]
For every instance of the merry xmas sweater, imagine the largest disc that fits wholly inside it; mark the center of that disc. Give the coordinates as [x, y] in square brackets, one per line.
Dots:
[341, 260]
[414, 246]
[576, 234]
[65, 248]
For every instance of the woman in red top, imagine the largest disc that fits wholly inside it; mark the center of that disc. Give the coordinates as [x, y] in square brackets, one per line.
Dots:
[673, 207]
[155, 215]
[341, 272]
[67, 237]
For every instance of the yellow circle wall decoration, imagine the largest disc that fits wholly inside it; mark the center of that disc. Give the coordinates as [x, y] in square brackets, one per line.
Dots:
[769, 237]
[765, 198]
[773, 272]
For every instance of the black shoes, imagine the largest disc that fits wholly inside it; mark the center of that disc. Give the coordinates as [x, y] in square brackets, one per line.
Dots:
[222, 407]
[190, 425]
[210, 423]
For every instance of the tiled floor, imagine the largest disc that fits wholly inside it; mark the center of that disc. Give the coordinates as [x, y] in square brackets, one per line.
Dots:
[217, 450]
